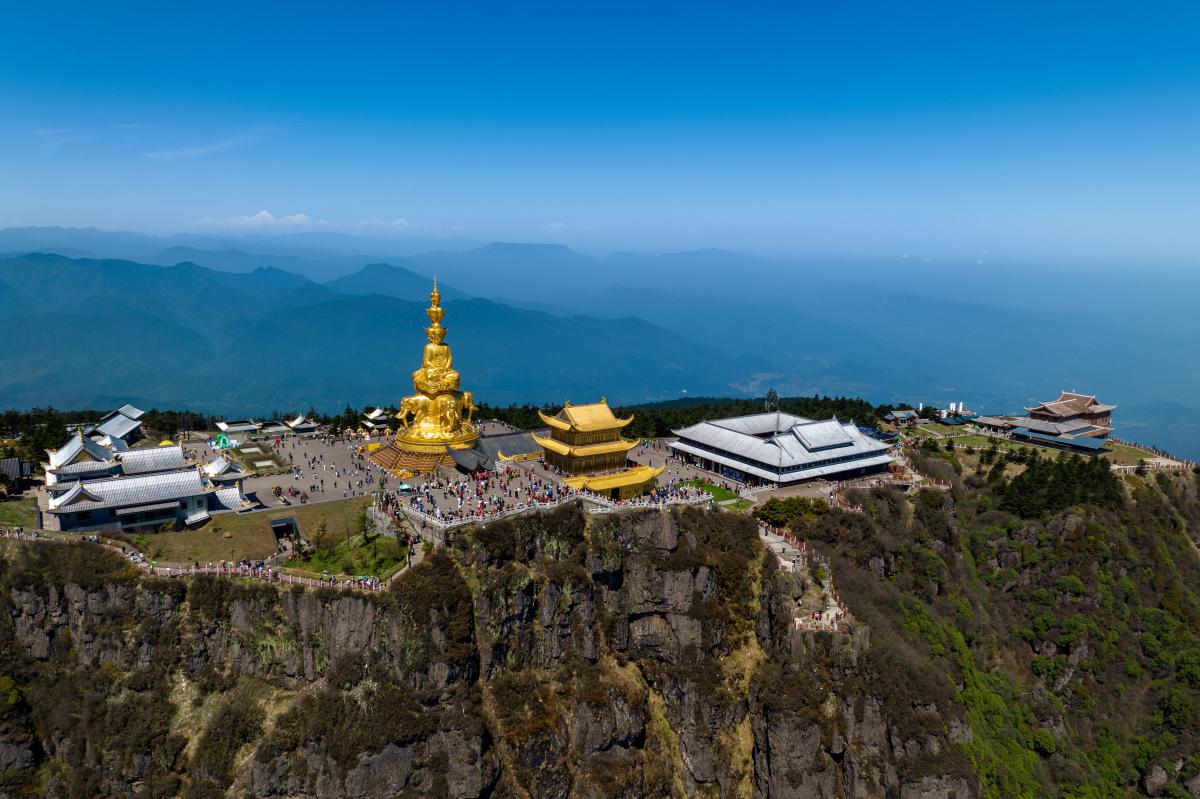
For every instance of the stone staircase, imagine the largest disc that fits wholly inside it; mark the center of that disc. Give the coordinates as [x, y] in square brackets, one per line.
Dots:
[395, 459]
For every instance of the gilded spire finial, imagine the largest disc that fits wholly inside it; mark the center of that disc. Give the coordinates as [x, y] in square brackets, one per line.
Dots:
[436, 313]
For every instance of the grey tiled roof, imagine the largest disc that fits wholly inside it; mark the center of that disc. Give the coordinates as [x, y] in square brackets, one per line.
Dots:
[1052, 428]
[113, 443]
[15, 468]
[779, 444]
[238, 426]
[222, 469]
[775, 476]
[817, 436]
[993, 421]
[121, 492]
[118, 426]
[197, 517]
[67, 452]
[216, 466]
[510, 444]
[146, 508]
[227, 500]
[130, 411]
[156, 459]
[488, 449]
[84, 467]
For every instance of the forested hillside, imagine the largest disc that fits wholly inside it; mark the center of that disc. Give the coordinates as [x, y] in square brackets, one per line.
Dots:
[1057, 604]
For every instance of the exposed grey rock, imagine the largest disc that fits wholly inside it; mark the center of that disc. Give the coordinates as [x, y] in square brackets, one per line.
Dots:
[1155, 780]
[643, 616]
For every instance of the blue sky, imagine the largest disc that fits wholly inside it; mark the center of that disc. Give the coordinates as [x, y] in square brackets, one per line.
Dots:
[1044, 130]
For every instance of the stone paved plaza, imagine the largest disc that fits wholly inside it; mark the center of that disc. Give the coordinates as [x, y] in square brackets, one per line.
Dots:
[334, 469]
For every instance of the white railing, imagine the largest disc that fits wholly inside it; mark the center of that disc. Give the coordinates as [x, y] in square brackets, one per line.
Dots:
[832, 614]
[600, 504]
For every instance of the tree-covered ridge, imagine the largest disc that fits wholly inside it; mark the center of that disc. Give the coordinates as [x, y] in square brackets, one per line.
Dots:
[40, 429]
[657, 420]
[1050, 485]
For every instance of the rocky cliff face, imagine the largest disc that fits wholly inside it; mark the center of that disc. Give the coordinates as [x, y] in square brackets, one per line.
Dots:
[636, 654]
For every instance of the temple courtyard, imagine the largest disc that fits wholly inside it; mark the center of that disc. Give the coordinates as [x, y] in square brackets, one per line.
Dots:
[328, 469]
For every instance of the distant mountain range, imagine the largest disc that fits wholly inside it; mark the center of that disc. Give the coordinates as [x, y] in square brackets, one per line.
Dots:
[317, 256]
[188, 336]
[389, 280]
[634, 326]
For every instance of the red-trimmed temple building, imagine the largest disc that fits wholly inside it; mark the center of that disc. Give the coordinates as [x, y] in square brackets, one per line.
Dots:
[1071, 415]
[1075, 422]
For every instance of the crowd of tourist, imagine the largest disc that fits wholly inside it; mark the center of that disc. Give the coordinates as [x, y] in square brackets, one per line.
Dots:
[482, 495]
[487, 495]
[358, 479]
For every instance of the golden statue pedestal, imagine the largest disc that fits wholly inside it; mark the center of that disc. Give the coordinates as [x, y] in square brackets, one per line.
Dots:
[437, 418]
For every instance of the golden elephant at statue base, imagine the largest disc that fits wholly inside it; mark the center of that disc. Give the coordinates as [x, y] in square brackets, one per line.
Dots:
[443, 418]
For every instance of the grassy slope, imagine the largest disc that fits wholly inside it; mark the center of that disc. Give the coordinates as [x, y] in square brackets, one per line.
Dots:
[1120, 454]
[379, 556]
[18, 512]
[250, 534]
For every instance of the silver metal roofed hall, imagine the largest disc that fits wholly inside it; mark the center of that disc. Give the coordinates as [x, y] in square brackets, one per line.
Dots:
[76, 446]
[222, 470]
[118, 426]
[781, 448]
[120, 492]
[155, 459]
[128, 410]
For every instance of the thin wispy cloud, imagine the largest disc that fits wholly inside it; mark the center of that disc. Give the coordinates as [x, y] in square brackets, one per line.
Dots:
[399, 223]
[206, 148]
[53, 138]
[559, 228]
[265, 220]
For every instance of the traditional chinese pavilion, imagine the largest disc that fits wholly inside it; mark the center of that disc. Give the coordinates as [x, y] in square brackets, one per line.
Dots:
[585, 443]
[1071, 414]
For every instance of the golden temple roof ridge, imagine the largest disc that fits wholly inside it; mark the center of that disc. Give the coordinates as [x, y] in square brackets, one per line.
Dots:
[585, 418]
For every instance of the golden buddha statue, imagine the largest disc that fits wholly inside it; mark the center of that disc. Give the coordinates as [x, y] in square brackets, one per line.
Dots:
[439, 414]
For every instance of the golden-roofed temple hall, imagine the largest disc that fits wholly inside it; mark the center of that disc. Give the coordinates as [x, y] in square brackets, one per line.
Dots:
[585, 443]
[437, 418]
